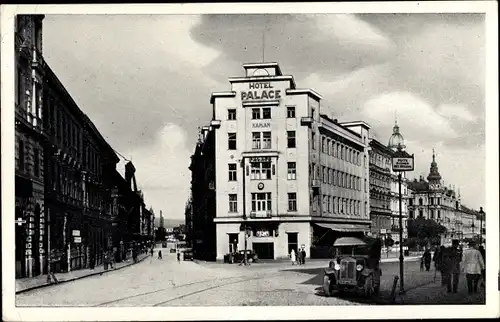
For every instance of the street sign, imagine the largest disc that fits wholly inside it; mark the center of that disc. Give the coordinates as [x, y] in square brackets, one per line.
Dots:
[78, 240]
[76, 233]
[402, 164]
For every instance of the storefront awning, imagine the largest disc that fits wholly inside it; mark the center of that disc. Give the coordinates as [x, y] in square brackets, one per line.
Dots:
[344, 227]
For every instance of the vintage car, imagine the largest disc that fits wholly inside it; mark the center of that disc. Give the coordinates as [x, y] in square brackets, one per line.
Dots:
[355, 267]
[240, 255]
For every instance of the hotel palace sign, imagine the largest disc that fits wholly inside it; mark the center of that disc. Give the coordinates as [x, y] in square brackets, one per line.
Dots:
[260, 91]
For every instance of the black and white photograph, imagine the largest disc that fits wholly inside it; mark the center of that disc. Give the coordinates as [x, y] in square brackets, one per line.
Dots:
[250, 161]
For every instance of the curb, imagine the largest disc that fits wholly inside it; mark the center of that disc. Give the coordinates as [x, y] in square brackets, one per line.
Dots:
[80, 277]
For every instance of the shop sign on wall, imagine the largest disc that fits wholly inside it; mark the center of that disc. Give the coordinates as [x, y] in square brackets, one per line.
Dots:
[260, 91]
[262, 233]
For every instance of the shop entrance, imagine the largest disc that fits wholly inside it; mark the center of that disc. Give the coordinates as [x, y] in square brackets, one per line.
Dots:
[264, 250]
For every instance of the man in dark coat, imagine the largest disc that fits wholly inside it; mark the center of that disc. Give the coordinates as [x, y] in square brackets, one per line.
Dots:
[427, 259]
[451, 261]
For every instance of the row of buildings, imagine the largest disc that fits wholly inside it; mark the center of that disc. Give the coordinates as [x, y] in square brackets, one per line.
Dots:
[276, 173]
[71, 203]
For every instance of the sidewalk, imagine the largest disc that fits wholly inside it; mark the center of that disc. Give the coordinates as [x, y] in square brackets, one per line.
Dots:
[27, 284]
[433, 293]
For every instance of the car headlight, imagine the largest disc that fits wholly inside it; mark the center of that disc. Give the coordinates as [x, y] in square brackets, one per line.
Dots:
[359, 267]
[337, 267]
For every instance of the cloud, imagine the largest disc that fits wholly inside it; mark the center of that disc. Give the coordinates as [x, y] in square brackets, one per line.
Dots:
[162, 171]
[459, 112]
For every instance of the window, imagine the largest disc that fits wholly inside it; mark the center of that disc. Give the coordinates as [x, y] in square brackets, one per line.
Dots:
[266, 113]
[334, 179]
[256, 140]
[411, 202]
[261, 201]
[21, 161]
[334, 204]
[20, 87]
[292, 201]
[292, 171]
[260, 170]
[364, 161]
[323, 144]
[330, 176]
[420, 202]
[420, 213]
[36, 163]
[334, 147]
[231, 141]
[266, 140]
[438, 201]
[329, 204]
[232, 172]
[291, 139]
[329, 147]
[325, 174]
[439, 213]
[290, 112]
[313, 140]
[231, 114]
[233, 203]
[366, 188]
[255, 113]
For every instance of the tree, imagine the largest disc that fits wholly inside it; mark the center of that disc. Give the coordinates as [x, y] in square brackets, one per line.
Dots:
[425, 231]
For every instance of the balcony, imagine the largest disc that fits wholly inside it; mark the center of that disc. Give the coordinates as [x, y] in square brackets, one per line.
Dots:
[215, 123]
[306, 120]
[316, 183]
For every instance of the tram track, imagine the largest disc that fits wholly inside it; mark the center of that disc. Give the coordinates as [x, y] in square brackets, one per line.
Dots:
[232, 280]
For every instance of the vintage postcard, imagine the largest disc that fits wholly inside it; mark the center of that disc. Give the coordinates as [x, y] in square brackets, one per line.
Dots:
[250, 161]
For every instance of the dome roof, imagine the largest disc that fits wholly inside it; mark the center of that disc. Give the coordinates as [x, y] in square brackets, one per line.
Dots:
[396, 140]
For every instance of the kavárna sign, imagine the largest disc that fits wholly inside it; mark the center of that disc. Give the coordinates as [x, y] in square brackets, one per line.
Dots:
[260, 91]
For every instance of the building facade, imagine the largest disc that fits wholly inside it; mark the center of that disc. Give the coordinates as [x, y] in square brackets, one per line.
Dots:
[30, 228]
[79, 174]
[381, 183]
[287, 175]
[200, 225]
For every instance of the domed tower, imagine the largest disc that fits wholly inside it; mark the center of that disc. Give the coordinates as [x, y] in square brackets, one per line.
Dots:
[434, 177]
[396, 141]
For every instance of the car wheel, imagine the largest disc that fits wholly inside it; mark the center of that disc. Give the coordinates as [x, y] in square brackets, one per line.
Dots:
[327, 286]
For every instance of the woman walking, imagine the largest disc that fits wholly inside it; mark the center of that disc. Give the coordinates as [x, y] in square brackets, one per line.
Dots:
[293, 256]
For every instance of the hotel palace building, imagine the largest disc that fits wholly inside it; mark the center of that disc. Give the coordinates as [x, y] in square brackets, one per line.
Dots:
[285, 173]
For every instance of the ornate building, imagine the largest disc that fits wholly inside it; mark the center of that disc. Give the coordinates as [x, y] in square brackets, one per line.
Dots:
[431, 199]
[30, 136]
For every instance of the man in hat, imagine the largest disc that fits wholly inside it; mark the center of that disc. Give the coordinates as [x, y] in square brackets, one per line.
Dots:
[473, 265]
[451, 260]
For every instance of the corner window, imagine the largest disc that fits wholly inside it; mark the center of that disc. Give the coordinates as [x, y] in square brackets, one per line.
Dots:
[231, 114]
[290, 112]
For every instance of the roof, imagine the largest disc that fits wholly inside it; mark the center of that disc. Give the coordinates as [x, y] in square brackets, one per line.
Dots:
[418, 185]
[264, 65]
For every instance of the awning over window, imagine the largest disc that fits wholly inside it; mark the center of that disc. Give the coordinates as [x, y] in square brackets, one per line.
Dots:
[344, 227]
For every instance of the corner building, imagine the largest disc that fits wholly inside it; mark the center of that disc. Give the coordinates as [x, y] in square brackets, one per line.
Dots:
[294, 176]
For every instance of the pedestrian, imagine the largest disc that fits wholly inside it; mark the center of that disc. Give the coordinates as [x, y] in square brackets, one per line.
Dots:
[106, 260]
[303, 255]
[438, 262]
[178, 256]
[293, 256]
[111, 258]
[427, 259]
[473, 265]
[422, 263]
[483, 272]
[159, 254]
[152, 251]
[451, 260]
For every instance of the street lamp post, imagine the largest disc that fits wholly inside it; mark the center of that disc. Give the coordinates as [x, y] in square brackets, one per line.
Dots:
[481, 214]
[401, 257]
[244, 211]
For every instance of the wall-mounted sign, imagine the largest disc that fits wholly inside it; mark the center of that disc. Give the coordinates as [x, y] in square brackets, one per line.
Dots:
[261, 125]
[383, 230]
[260, 186]
[401, 164]
[262, 233]
[75, 233]
[260, 91]
[78, 240]
[260, 159]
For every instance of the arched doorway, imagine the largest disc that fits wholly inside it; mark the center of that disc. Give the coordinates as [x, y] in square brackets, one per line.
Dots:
[20, 246]
[35, 243]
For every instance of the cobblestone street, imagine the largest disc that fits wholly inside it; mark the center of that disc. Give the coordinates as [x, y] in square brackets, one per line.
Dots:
[166, 282]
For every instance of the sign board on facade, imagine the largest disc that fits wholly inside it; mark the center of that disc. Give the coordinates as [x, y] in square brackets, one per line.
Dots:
[260, 159]
[78, 240]
[383, 230]
[262, 233]
[75, 233]
[401, 164]
[260, 91]
[261, 125]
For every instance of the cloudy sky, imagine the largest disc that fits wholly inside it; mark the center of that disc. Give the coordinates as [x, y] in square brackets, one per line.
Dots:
[146, 81]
